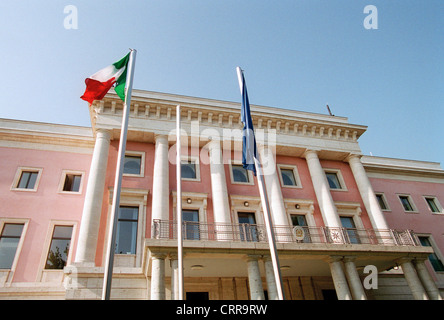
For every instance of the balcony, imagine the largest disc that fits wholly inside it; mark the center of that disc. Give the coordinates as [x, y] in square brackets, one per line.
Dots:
[244, 232]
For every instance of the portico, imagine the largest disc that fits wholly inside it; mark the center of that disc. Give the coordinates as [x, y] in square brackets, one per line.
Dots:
[307, 269]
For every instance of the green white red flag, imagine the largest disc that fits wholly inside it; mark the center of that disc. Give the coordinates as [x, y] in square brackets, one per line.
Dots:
[100, 82]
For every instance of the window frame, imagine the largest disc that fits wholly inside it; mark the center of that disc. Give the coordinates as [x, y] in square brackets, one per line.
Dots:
[295, 175]
[18, 175]
[337, 172]
[411, 202]
[63, 180]
[137, 221]
[249, 173]
[300, 207]
[194, 160]
[384, 200]
[9, 273]
[51, 240]
[238, 204]
[44, 273]
[130, 198]
[198, 202]
[140, 154]
[436, 202]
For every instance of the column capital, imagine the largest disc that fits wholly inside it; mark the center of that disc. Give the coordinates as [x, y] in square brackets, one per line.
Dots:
[311, 153]
[403, 260]
[349, 258]
[158, 255]
[353, 157]
[174, 255]
[161, 138]
[252, 257]
[105, 133]
[419, 260]
[331, 259]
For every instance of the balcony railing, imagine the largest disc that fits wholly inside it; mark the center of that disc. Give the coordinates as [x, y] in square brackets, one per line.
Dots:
[166, 229]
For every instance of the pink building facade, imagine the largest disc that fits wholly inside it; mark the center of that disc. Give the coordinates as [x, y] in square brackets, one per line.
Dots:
[353, 211]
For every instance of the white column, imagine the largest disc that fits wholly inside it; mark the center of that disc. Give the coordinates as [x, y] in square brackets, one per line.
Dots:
[158, 276]
[254, 278]
[367, 194]
[322, 190]
[274, 192]
[354, 281]
[269, 276]
[413, 281]
[174, 263]
[339, 280]
[92, 207]
[427, 280]
[219, 192]
[160, 202]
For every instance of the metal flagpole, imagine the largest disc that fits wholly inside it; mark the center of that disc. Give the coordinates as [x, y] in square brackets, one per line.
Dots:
[179, 206]
[267, 215]
[108, 274]
[270, 231]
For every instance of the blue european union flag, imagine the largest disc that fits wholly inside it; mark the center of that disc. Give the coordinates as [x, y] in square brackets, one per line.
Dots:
[249, 151]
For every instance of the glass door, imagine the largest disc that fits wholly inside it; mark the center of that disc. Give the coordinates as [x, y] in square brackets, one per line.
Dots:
[247, 226]
[190, 220]
[350, 227]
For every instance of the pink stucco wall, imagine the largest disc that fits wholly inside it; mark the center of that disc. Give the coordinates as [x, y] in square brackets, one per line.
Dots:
[145, 182]
[42, 206]
[423, 221]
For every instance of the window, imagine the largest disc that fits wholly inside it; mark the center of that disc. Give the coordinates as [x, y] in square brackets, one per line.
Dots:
[407, 203]
[333, 180]
[132, 164]
[59, 249]
[26, 179]
[247, 226]
[126, 237]
[382, 202]
[190, 219]
[9, 240]
[240, 174]
[433, 258]
[72, 182]
[288, 178]
[350, 227]
[433, 204]
[188, 170]
[298, 220]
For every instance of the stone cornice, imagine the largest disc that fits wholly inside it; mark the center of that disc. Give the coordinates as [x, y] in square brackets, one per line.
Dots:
[402, 167]
[214, 113]
[14, 132]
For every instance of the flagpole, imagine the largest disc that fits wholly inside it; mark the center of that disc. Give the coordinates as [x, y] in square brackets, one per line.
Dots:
[179, 207]
[107, 277]
[270, 232]
[267, 215]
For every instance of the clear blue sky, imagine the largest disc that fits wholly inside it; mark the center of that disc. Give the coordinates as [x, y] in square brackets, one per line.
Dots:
[297, 54]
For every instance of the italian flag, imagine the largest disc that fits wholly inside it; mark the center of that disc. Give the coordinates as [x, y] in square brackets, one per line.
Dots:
[100, 82]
